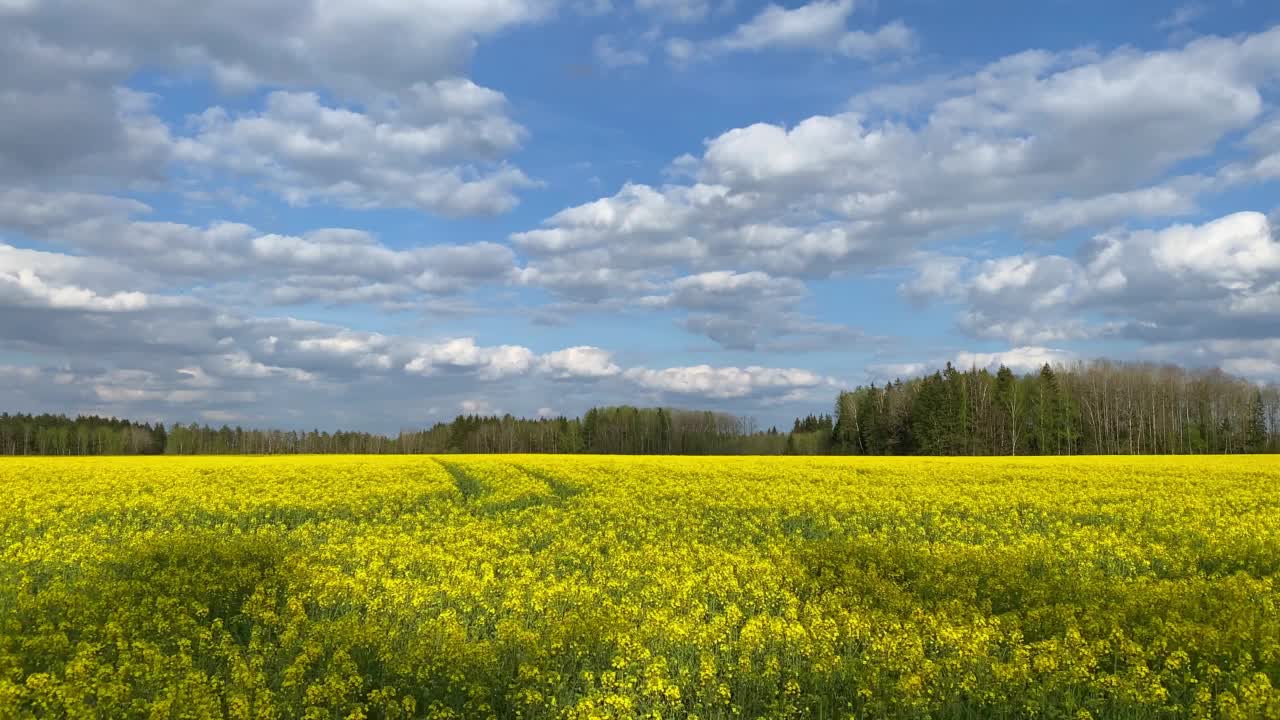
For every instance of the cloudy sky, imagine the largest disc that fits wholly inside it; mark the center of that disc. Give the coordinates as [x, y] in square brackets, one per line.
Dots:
[378, 214]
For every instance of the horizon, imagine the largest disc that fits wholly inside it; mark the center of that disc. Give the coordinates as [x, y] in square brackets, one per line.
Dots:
[1272, 390]
[390, 216]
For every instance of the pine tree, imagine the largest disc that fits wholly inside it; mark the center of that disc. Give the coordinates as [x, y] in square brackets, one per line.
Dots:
[1048, 413]
[1256, 433]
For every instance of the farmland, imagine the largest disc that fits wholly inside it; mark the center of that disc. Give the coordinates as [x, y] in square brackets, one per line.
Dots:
[611, 587]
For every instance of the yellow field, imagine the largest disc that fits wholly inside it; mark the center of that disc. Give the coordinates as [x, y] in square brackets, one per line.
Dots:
[583, 587]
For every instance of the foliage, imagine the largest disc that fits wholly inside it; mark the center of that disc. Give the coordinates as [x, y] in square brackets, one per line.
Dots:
[1098, 408]
[612, 587]
[613, 430]
[85, 435]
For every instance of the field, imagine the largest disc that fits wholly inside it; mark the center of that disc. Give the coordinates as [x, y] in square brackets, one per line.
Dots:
[611, 587]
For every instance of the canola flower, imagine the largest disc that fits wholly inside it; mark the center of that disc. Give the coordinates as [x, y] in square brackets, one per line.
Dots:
[612, 587]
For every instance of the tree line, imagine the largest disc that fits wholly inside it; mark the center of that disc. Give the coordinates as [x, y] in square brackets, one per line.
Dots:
[1099, 407]
[83, 435]
[612, 430]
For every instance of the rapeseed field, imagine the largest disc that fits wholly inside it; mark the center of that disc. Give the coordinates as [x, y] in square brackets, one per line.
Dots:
[612, 587]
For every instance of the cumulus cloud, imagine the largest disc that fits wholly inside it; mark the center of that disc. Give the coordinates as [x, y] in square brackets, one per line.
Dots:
[1038, 142]
[936, 276]
[76, 132]
[1213, 280]
[746, 311]
[888, 372]
[25, 287]
[463, 354]
[349, 49]
[165, 356]
[726, 289]
[419, 153]
[473, 406]
[133, 392]
[407, 130]
[579, 362]
[1252, 358]
[35, 279]
[334, 266]
[1062, 216]
[819, 25]
[1025, 359]
[728, 382]
[1044, 141]
[676, 11]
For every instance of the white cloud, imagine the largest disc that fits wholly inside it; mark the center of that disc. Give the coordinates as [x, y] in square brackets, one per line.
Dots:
[937, 276]
[333, 266]
[727, 382]
[473, 406]
[817, 25]
[32, 278]
[820, 25]
[1230, 252]
[240, 364]
[110, 394]
[820, 22]
[351, 49]
[677, 11]
[895, 37]
[723, 289]
[1051, 140]
[463, 354]
[1068, 214]
[1255, 359]
[365, 350]
[888, 372]
[1262, 368]
[416, 154]
[195, 376]
[1020, 360]
[749, 311]
[26, 287]
[1044, 142]
[176, 360]
[579, 362]
[1217, 279]
[405, 128]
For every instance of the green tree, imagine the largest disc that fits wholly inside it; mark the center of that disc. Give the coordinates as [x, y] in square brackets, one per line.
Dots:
[1256, 432]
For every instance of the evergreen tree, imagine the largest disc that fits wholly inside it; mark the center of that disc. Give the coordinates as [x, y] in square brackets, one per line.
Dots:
[1256, 432]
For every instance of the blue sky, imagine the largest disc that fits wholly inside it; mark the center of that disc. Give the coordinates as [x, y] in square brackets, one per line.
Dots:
[377, 215]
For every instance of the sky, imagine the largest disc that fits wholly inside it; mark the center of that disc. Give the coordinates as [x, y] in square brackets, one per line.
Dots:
[375, 215]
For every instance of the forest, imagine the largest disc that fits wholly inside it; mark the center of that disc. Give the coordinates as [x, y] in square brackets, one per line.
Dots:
[610, 430]
[1095, 408]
